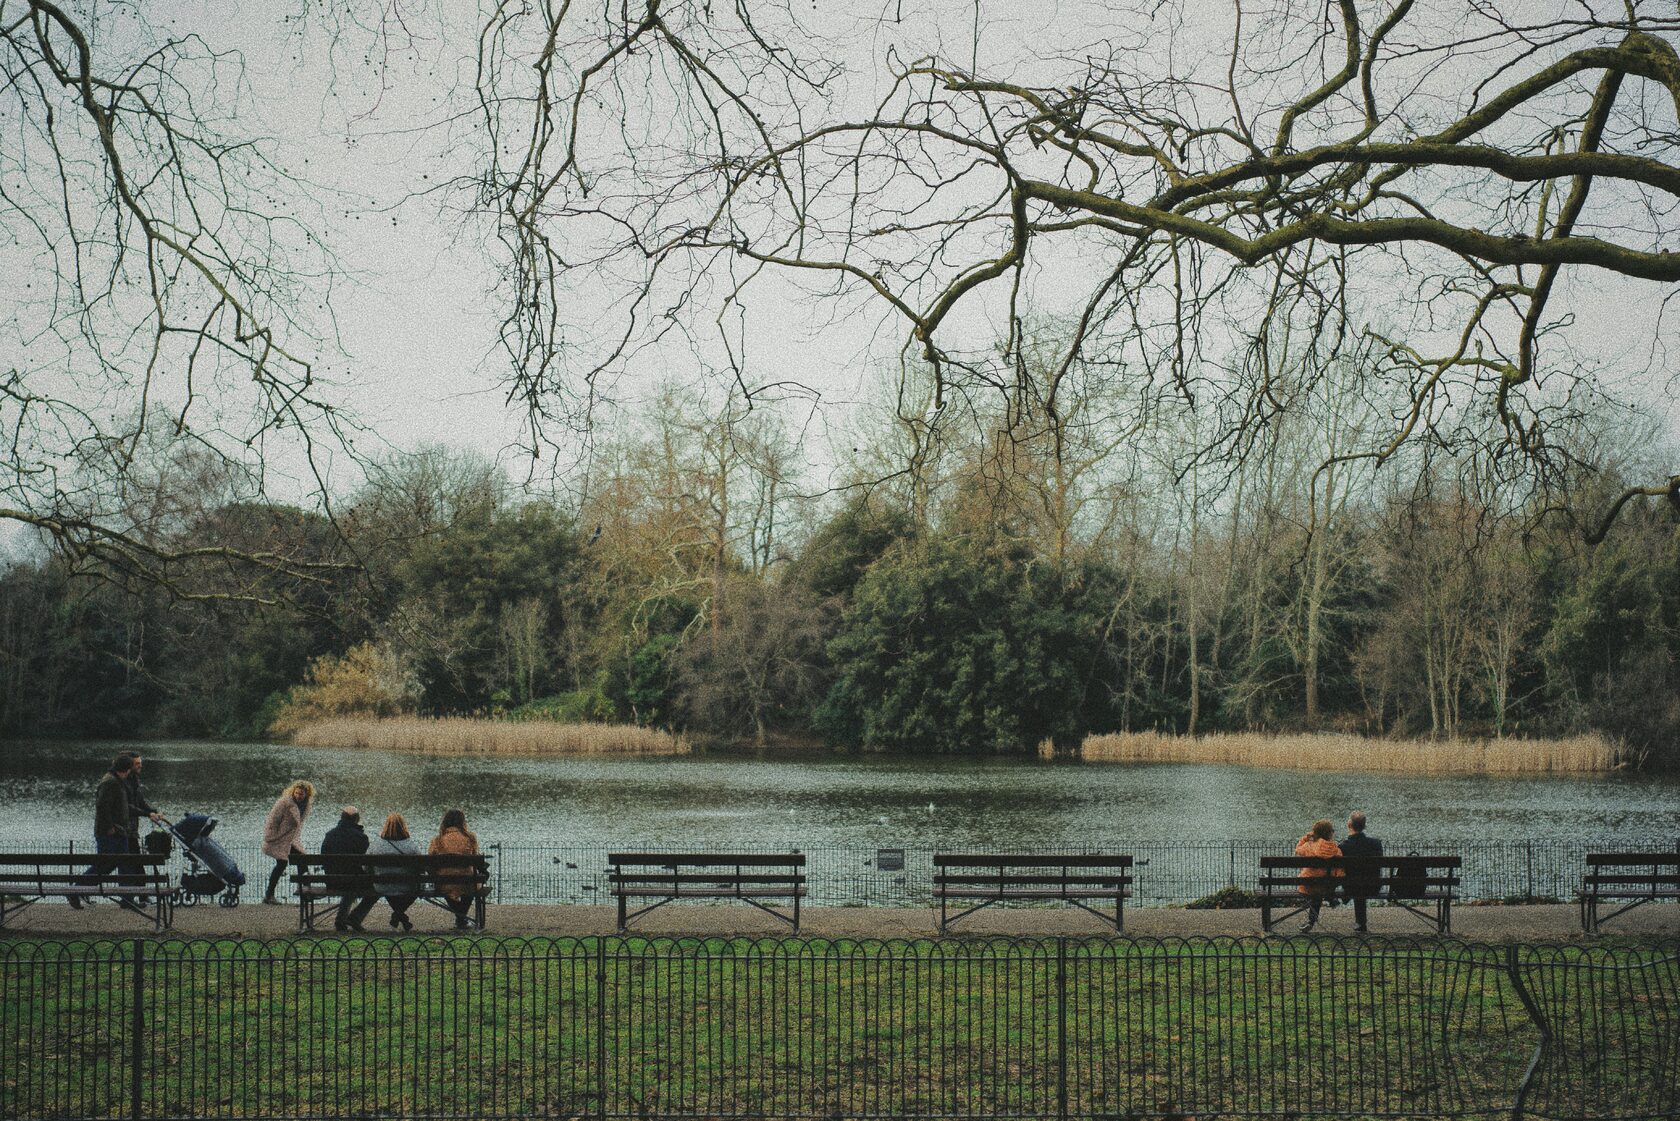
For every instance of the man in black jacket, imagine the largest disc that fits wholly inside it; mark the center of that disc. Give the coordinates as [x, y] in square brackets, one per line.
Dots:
[137, 804]
[110, 818]
[350, 839]
[1360, 885]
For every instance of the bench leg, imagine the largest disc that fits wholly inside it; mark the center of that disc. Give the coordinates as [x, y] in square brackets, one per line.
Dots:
[621, 913]
[796, 914]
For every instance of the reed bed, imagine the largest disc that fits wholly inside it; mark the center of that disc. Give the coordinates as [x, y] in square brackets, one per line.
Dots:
[1330, 752]
[453, 735]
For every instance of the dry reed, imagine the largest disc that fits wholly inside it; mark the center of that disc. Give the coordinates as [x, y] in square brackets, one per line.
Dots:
[1574, 755]
[465, 736]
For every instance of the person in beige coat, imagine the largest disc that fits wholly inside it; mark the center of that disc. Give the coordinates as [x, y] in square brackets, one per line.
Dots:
[283, 831]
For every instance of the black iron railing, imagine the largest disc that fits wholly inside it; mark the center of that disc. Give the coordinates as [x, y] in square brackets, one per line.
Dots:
[1166, 871]
[1042, 1028]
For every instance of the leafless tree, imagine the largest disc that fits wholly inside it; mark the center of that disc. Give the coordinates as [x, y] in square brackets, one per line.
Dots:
[155, 258]
[1273, 162]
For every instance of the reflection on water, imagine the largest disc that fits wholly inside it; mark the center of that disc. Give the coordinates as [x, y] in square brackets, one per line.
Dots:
[46, 789]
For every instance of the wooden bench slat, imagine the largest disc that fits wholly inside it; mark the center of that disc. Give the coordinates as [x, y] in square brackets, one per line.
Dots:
[1001, 880]
[708, 859]
[80, 859]
[713, 892]
[1035, 860]
[1612, 881]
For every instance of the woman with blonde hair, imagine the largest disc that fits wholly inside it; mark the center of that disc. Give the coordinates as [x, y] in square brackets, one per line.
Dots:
[1318, 884]
[392, 882]
[455, 839]
[283, 830]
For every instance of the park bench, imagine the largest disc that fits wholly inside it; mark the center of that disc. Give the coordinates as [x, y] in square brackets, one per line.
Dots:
[1420, 884]
[1632, 879]
[982, 879]
[665, 877]
[324, 883]
[136, 879]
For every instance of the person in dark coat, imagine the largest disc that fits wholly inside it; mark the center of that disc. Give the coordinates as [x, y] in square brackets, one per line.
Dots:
[347, 838]
[137, 804]
[1360, 885]
[110, 818]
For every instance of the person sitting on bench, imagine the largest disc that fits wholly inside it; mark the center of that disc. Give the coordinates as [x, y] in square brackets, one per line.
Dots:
[454, 838]
[1360, 885]
[1320, 842]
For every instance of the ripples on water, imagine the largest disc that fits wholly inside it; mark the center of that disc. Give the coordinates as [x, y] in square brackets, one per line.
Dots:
[46, 789]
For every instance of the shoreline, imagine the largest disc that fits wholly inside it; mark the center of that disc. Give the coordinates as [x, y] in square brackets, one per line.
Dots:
[1557, 923]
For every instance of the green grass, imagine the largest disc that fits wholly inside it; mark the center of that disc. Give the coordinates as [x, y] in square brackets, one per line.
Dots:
[514, 1027]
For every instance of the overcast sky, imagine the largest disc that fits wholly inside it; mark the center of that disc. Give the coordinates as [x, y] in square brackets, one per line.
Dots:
[417, 325]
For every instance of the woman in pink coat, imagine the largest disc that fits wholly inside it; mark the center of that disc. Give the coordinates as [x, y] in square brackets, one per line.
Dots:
[283, 831]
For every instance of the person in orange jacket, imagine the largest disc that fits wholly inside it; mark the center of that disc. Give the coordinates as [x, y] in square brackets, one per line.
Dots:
[455, 839]
[1321, 841]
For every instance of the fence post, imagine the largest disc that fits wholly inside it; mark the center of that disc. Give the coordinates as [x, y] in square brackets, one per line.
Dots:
[1061, 1029]
[1231, 876]
[601, 1026]
[1513, 970]
[498, 849]
[136, 1028]
[1528, 856]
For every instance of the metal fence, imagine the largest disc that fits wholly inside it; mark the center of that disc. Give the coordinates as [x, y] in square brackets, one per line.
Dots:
[1042, 1028]
[1166, 872]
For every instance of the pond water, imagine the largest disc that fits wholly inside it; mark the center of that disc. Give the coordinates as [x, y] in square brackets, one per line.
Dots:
[46, 790]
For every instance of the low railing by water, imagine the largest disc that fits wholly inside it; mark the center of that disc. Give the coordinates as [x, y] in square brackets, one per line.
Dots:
[1041, 1028]
[1167, 872]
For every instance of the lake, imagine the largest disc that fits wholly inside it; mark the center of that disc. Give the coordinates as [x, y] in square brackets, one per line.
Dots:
[829, 800]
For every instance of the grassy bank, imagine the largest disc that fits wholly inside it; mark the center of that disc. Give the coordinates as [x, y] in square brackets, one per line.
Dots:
[464, 736]
[1586, 754]
[562, 1027]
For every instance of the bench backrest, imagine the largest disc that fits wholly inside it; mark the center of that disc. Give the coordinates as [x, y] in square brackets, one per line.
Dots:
[1596, 860]
[1403, 876]
[669, 860]
[81, 859]
[61, 869]
[347, 872]
[656, 869]
[1610, 870]
[1033, 860]
[1363, 864]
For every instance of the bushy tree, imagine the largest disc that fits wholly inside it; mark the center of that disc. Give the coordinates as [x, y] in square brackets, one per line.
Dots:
[954, 645]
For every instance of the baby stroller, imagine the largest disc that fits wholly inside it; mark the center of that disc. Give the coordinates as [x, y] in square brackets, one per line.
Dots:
[210, 870]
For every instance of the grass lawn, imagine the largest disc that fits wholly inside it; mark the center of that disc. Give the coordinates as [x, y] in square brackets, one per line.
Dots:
[559, 1027]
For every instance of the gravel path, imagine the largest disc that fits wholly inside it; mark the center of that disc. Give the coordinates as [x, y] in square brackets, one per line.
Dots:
[1536, 923]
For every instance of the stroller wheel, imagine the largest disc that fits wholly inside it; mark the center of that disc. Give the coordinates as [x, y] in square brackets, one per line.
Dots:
[188, 899]
[229, 898]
